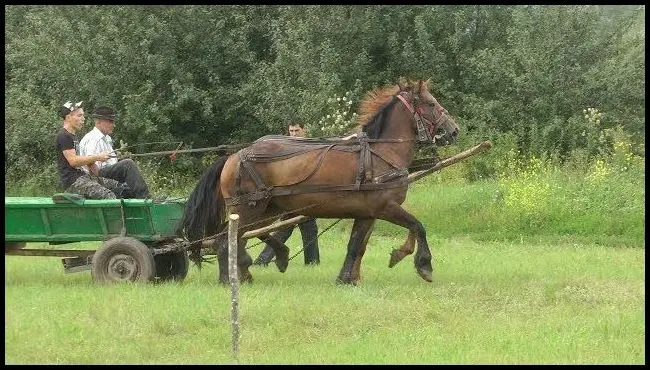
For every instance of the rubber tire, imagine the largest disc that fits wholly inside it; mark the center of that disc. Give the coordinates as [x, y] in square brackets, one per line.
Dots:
[172, 266]
[143, 265]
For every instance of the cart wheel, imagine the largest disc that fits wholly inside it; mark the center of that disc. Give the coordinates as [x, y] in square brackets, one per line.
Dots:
[123, 259]
[172, 266]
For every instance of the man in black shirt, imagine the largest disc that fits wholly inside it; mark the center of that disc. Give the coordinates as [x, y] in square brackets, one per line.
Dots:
[69, 161]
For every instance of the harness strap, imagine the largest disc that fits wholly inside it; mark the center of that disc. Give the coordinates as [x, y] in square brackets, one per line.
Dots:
[251, 171]
[424, 134]
[365, 166]
[282, 190]
[384, 158]
[321, 157]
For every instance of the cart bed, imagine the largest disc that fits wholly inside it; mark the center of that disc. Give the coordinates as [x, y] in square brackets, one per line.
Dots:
[40, 219]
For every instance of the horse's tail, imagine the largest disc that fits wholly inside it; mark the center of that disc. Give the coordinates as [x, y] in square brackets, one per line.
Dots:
[205, 210]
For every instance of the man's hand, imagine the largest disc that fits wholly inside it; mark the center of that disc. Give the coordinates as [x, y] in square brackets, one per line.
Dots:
[102, 157]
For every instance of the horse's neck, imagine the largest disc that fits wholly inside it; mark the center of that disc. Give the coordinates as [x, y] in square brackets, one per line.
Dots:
[398, 126]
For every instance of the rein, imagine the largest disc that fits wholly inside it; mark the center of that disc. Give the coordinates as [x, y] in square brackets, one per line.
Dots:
[424, 134]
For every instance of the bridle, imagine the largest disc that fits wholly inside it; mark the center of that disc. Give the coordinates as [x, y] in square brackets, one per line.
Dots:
[425, 128]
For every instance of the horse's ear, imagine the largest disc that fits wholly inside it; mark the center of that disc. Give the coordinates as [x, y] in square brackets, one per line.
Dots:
[427, 83]
[400, 84]
[420, 86]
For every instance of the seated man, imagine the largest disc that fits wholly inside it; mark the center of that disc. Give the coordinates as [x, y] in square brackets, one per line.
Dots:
[97, 141]
[69, 161]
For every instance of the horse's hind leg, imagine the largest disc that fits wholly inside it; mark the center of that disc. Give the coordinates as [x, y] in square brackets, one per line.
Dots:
[222, 260]
[244, 260]
[280, 249]
[396, 214]
[351, 270]
[407, 248]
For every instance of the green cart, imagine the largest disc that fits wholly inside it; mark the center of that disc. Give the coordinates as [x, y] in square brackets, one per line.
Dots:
[138, 235]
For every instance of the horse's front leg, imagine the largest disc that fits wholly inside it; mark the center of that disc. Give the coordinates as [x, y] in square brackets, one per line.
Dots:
[394, 213]
[407, 248]
[351, 270]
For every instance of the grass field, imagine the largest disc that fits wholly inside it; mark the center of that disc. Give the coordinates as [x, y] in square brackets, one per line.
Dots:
[490, 303]
[546, 266]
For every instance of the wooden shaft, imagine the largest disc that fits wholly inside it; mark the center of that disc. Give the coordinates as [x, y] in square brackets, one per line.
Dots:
[276, 226]
[451, 160]
[209, 242]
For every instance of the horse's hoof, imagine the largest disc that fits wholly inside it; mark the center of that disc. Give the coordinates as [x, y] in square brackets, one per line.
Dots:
[427, 275]
[395, 256]
[282, 260]
[282, 265]
[341, 281]
[246, 278]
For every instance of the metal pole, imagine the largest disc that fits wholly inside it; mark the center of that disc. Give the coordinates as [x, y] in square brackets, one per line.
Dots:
[233, 225]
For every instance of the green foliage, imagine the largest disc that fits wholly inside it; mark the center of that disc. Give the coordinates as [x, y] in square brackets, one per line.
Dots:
[341, 117]
[209, 75]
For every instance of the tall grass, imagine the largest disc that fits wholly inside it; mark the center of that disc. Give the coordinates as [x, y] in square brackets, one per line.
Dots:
[490, 303]
[534, 199]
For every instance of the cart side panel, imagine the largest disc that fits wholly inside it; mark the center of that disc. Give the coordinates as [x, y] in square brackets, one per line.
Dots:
[137, 220]
[26, 222]
[40, 219]
[165, 217]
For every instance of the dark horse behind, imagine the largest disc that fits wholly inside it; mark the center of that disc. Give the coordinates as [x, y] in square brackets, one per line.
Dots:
[363, 178]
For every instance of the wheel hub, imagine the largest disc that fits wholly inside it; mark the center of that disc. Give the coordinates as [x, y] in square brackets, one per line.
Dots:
[122, 267]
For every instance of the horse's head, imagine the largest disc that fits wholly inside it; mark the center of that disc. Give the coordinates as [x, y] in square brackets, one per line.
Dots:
[433, 122]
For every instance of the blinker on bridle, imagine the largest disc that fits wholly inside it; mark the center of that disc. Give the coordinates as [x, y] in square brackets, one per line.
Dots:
[425, 128]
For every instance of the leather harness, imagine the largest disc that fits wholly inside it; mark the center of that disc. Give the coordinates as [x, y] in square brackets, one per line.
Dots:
[284, 147]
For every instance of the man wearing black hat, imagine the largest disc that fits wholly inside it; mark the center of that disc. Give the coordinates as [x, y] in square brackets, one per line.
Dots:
[98, 141]
[69, 160]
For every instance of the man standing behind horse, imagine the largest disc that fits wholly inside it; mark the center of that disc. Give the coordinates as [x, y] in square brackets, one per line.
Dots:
[97, 141]
[308, 228]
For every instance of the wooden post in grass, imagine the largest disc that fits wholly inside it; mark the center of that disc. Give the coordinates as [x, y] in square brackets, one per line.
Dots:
[233, 225]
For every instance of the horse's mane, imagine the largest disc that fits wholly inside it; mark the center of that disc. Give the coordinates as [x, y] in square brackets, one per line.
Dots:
[374, 102]
[372, 109]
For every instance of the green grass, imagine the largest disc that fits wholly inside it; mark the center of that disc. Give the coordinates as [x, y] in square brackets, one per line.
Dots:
[490, 302]
[557, 277]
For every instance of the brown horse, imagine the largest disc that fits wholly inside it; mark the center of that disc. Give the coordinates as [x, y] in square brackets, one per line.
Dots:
[364, 178]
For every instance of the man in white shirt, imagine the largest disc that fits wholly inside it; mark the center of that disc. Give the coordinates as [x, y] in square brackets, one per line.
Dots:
[99, 141]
